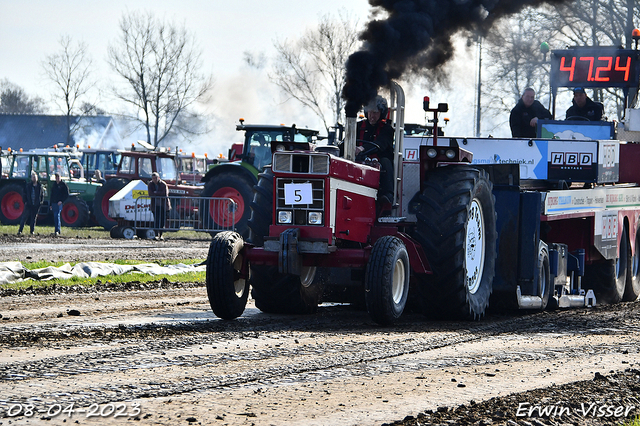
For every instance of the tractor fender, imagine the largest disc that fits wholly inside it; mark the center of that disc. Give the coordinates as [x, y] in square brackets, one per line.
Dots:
[245, 170]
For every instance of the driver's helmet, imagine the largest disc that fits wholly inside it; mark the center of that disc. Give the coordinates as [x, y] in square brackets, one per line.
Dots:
[378, 103]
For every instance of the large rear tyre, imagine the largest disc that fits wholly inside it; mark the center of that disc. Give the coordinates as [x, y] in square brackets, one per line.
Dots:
[11, 204]
[608, 278]
[223, 215]
[226, 289]
[457, 230]
[74, 213]
[387, 280]
[261, 207]
[101, 201]
[632, 288]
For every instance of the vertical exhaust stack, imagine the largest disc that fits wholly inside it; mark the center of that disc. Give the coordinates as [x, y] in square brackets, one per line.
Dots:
[350, 139]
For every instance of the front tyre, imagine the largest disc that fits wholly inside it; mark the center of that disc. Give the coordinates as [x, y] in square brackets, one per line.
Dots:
[11, 204]
[457, 230]
[226, 288]
[74, 213]
[387, 280]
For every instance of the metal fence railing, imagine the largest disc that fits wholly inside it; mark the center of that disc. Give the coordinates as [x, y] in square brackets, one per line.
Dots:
[204, 214]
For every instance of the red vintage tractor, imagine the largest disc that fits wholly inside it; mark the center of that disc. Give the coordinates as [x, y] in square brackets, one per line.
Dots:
[316, 224]
[139, 164]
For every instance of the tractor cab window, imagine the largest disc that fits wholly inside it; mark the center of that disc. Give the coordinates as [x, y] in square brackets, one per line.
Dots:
[145, 167]
[20, 167]
[39, 165]
[106, 163]
[167, 168]
[128, 166]
[88, 160]
[259, 153]
[5, 167]
[57, 165]
[186, 165]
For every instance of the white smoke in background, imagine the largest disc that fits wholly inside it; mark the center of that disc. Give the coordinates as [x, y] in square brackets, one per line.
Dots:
[250, 95]
[88, 134]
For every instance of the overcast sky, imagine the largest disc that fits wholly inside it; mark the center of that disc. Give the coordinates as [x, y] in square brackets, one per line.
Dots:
[30, 30]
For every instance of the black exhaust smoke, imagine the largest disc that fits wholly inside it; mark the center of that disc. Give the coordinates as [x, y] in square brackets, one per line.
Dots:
[415, 36]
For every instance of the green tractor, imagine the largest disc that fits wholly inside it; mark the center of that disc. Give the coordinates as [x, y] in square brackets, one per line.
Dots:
[16, 173]
[235, 179]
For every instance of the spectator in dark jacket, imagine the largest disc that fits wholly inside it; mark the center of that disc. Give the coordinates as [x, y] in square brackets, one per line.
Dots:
[32, 197]
[524, 116]
[160, 203]
[584, 107]
[59, 194]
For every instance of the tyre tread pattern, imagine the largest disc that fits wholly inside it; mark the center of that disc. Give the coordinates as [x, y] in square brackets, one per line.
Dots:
[379, 279]
[442, 215]
[221, 275]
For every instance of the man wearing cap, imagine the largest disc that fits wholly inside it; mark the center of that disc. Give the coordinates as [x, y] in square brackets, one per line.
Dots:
[584, 107]
[524, 116]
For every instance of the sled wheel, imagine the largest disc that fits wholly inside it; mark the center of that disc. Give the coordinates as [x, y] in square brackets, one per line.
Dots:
[544, 275]
[632, 288]
[608, 278]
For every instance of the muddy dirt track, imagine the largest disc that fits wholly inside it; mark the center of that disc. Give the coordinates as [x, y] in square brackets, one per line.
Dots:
[154, 354]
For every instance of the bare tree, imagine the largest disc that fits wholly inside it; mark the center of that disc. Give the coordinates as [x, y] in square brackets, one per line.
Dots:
[70, 71]
[516, 63]
[160, 64]
[599, 23]
[312, 69]
[14, 100]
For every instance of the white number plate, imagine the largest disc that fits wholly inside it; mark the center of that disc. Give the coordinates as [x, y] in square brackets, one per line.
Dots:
[298, 193]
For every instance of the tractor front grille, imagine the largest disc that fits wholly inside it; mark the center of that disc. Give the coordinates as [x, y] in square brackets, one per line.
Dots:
[290, 162]
[300, 212]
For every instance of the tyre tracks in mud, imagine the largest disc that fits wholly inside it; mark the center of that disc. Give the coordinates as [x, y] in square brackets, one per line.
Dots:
[268, 365]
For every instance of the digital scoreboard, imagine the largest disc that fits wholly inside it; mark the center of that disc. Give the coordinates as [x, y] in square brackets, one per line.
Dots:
[595, 67]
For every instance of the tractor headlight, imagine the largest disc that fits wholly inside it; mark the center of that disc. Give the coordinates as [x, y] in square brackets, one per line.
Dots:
[450, 154]
[284, 217]
[431, 153]
[315, 218]
[280, 147]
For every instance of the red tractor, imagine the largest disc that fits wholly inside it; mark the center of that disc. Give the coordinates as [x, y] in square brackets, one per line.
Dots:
[235, 178]
[139, 164]
[316, 223]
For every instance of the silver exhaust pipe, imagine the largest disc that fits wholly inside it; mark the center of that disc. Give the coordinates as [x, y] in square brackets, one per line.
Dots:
[350, 139]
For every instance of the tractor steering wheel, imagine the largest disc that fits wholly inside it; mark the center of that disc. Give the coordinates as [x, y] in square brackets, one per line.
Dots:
[369, 148]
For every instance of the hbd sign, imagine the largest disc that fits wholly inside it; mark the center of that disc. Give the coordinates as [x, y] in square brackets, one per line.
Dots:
[571, 158]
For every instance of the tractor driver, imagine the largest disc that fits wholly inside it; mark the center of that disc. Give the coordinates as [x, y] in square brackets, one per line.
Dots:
[375, 128]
